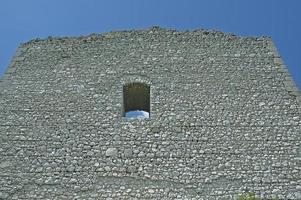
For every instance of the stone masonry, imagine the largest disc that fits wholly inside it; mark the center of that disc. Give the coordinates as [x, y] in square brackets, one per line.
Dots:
[224, 118]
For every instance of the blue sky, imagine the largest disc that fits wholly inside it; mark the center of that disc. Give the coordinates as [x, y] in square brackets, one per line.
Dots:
[22, 20]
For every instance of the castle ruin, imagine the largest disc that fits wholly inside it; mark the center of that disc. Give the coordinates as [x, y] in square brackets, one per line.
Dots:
[224, 118]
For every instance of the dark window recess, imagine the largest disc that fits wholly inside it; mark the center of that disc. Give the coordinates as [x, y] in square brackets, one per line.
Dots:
[136, 97]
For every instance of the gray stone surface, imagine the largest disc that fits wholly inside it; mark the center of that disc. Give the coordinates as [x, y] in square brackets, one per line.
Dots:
[111, 152]
[224, 120]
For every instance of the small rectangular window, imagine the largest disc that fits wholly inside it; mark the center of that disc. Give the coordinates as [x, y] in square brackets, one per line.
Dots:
[136, 100]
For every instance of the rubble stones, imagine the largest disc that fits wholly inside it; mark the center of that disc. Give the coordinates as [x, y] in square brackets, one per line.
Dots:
[128, 153]
[111, 152]
[224, 118]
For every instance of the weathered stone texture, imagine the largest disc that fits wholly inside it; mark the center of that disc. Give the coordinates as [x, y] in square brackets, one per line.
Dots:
[225, 118]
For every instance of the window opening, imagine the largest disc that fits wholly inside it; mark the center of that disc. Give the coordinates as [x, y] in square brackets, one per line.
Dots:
[136, 101]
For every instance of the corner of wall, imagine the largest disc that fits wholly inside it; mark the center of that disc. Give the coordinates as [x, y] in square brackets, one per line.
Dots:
[18, 57]
[288, 82]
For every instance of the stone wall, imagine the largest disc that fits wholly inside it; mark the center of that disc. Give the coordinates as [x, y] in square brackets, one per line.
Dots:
[224, 118]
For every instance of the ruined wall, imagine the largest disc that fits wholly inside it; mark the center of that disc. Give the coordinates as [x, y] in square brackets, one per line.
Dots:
[225, 118]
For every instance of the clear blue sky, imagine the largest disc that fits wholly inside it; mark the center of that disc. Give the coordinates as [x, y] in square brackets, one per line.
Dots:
[22, 20]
